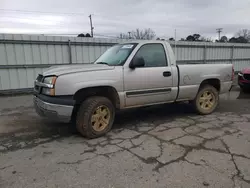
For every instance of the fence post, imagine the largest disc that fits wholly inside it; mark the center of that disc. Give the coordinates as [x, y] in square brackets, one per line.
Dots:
[232, 54]
[70, 53]
[205, 53]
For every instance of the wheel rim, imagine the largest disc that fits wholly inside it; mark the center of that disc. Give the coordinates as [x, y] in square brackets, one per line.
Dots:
[100, 118]
[207, 100]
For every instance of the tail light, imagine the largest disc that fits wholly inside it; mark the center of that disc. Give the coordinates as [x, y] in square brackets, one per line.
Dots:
[232, 72]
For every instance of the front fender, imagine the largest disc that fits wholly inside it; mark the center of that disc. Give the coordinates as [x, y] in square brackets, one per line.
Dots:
[97, 83]
[69, 84]
[72, 88]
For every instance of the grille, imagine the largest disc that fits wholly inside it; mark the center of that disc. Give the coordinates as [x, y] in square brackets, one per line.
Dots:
[247, 76]
[39, 78]
[37, 89]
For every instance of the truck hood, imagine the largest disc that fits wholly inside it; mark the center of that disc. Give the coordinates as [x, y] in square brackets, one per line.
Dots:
[67, 69]
[246, 70]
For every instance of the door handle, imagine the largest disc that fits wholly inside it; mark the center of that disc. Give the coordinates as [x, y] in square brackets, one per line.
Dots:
[167, 74]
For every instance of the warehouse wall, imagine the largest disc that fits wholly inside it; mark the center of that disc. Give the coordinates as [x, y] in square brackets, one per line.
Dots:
[22, 57]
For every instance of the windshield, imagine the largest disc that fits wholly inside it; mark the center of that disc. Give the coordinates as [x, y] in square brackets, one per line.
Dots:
[116, 55]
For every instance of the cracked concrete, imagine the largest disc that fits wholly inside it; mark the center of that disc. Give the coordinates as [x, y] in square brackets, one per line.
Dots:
[243, 165]
[168, 134]
[170, 152]
[165, 146]
[216, 145]
[189, 141]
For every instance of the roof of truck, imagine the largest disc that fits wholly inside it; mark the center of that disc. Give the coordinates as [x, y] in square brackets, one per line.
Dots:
[144, 41]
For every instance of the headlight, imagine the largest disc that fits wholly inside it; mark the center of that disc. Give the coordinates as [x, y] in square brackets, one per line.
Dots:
[49, 85]
[240, 74]
[48, 91]
[50, 80]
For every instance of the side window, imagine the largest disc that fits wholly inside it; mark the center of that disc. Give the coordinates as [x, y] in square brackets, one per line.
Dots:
[153, 55]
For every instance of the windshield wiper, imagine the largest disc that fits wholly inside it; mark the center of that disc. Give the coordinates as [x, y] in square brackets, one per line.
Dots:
[104, 63]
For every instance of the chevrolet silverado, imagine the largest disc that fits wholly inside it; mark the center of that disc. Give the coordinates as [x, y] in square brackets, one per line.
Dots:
[127, 75]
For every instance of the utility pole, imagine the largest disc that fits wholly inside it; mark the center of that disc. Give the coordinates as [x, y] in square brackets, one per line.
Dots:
[175, 42]
[91, 25]
[219, 30]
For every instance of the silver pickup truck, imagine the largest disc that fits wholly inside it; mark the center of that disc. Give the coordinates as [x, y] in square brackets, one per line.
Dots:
[127, 75]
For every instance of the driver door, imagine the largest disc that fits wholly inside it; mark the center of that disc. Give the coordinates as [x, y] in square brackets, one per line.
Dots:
[152, 83]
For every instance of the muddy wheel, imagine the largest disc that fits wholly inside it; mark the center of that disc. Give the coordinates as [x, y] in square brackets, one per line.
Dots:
[95, 117]
[206, 100]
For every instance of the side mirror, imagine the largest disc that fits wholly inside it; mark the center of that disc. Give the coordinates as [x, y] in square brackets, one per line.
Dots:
[137, 62]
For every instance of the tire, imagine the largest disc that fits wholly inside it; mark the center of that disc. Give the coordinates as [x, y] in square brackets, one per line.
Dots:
[209, 103]
[95, 117]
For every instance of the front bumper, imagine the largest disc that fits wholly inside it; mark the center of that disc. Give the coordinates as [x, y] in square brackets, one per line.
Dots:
[58, 109]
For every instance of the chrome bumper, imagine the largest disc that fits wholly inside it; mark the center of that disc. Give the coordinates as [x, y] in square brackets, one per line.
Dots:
[56, 112]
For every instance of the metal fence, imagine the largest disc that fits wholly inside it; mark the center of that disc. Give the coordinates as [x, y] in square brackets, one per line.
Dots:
[22, 57]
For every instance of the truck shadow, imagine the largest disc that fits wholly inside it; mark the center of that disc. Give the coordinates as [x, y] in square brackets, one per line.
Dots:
[154, 114]
[244, 95]
[237, 93]
[125, 119]
[236, 101]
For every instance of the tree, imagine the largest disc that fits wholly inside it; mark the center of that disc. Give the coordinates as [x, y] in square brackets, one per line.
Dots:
[233, 40]
[238, 40]
[242, 36]
[159, 38]
[242, 40]
[209, 40]
[146, 34]
[203, 39]
[81, 35]
[223, 39]
[196, 37]
[245, 33]
[87, 35]
[123, 36]
[190, 38]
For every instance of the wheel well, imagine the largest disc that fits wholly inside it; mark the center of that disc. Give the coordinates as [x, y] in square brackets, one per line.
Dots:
[213, 82]
[105, 91]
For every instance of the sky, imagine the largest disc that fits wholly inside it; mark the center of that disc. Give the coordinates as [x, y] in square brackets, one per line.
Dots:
[112, 17]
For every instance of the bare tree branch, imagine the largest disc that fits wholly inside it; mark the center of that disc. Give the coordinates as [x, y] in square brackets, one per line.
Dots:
[146, 34]
[245, 33]
[123, 36]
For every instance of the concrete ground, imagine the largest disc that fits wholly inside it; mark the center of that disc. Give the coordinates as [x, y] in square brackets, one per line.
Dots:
[162, 146]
